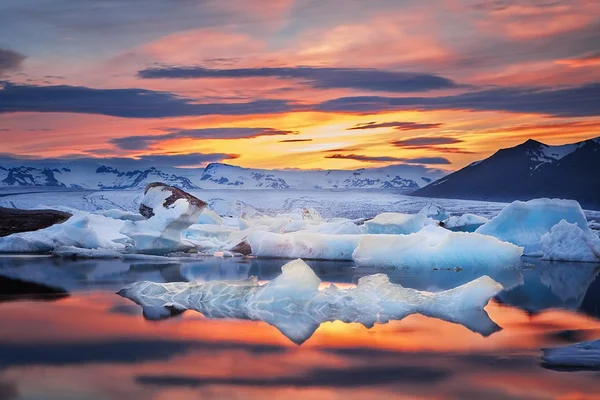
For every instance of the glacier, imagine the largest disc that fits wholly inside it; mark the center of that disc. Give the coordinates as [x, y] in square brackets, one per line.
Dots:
[524, 223]
[294, 305]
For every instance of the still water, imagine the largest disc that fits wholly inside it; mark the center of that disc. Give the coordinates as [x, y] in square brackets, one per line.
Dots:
[65, 334]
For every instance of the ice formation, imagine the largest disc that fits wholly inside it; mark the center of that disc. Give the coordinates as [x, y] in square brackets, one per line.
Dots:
[294, 304]
[524, 223]
[124, 215]
[464, 223]
[397, 223]
[435, 247]
[81, 230]
[303, 245]
[435, 211]
[568, 242]
[584, 355]
[169, 211]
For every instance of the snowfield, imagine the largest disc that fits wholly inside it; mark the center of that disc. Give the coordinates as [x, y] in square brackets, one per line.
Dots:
[378, 229]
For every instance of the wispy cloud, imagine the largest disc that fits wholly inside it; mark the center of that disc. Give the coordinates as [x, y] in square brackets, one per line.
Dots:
[416, 160]
[398, 125]
[144, 142]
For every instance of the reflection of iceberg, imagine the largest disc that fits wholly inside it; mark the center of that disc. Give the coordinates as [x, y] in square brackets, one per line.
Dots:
[579, 356]
[294, 304]
[551, 285]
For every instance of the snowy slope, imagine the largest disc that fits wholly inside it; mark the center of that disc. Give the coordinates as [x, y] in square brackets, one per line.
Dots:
[98, 175]
[529, 170]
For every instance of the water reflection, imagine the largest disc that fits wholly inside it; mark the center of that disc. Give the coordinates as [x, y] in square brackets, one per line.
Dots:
[94, 344]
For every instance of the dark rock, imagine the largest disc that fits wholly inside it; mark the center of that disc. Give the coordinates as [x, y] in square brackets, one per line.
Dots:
[242, 247]
[13, 220]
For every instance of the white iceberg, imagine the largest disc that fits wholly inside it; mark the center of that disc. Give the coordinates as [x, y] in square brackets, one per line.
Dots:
[568, 242]
[435, 211]
[169, 211]
[209, 217]
[524, 223]
[584, 356]
[84, 230]
[124, 215]
[397, 223]
[294, 304]
[435, 247]
[464, 223]
[303, 245]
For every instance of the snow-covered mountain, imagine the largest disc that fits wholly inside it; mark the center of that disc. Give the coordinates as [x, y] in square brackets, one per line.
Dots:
[529, 170]
[94, 174]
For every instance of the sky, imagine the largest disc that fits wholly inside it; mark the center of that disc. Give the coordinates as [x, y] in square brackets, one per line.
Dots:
[329, 84]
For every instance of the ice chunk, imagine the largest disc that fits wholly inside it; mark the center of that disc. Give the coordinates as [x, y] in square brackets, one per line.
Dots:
[170, 211]
[568, 242]
[303, 245]
[435, 247]
[435, 211]
[397, 223]
[464, 223]
[82, 230]
[583, 356]
[124, 215]
[294, 304]
[210, 217]
[524, 223]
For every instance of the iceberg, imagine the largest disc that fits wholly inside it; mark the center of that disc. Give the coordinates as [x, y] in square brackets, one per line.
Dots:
[435, 247]
[169, 211]
[568, 242]
[524, 223]
[579, 356]
[397, 223]
[294, 305]
[82, 230]
[303, 245]
[464, 223]
[124, 215]
[435, 211]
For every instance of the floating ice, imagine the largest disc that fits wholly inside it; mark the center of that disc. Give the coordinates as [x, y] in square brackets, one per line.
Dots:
[303, 245]
[584, 356]
[124, 215]
[210, 217]
[82, 230]
[435, 211]
[397, 223]
[524, 223]
[294, 304]
[170, 211]
[568, 242]
[435, 247]
[464, 223]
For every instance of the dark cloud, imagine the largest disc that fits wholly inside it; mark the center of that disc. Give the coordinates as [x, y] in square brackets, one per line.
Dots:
[129, 103]
[401, 126]
[318, 77]
[370, 375]
[10, 60]
[143, 142]
[579, 101]
[418, 160]
[295, 140]
[424, 141]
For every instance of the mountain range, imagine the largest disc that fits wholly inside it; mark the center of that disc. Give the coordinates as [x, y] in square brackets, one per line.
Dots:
[529, 170]
[96, 175]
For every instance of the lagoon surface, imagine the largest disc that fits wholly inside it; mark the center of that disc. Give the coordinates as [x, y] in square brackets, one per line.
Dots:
[66, 334]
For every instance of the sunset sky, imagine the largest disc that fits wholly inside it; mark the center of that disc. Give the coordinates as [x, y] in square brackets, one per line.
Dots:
[336, 84]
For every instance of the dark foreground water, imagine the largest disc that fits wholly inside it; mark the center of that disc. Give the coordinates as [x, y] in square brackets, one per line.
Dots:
[65, 334]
